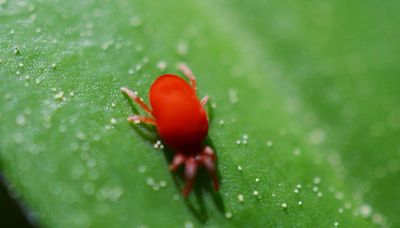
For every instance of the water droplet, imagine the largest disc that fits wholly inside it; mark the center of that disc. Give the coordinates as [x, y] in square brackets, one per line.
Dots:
[91, 163]
[182, 48]
[21, 120]
[347, 205]
[116, 193]
[300, 203]
[59, 95]
[317, 136]
[135, 21]
[107, 44]
[297, 151]
[317, 180]
[188, 224]
[77, 172]
[163, 184]
[156, 187]
[365, 210]
[88, 188]
[62, 128]
[96, 137]
[85, 146]
[339, 195]
[145, 60]
[142, 169]
[378, 219]
[162, 65]
[81, 135]
[93, 174]
[74, 146]
[139, 48]
[150, 181]
[240, 198]
[80, 218]
[233, 98]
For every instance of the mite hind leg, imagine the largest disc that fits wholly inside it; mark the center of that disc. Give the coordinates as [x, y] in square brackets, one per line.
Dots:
[135, 98]
[208, 160]
[177, 161]
[142, 119]
[190, 175]
[189, 74]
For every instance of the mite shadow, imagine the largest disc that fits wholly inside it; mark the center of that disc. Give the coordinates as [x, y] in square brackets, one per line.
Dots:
[203, 184]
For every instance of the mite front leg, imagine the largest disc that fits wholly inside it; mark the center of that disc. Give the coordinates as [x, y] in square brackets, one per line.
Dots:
[204, 100]
[208, 159]
[188, 73]
[190, 175]
[136, 99]
[142, 119]
[178, 160]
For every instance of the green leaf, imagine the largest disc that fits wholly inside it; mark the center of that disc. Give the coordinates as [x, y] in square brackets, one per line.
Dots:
[304, 107]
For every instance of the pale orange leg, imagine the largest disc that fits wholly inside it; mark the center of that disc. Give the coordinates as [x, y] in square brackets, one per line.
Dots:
[141, 119]
[208, 160]
[178, 160]
[135, 98]
[189, 74]
[204, 100]
[190, 175]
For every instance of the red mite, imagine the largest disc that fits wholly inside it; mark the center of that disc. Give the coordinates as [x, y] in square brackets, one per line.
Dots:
[181, 122]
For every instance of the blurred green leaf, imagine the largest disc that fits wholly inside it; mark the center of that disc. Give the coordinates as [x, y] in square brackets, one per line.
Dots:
[304, 102]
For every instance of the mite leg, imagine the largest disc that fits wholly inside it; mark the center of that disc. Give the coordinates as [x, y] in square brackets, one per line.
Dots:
[178, 160]
[208, 159]
[188, 73]
[190, 175]
[136, 99]
[141, 119]
[204, 100]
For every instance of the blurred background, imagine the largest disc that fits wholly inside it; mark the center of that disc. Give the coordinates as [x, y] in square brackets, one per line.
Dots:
[314, 85]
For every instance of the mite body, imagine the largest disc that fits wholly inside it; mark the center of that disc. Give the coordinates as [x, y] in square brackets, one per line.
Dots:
[181, 122]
